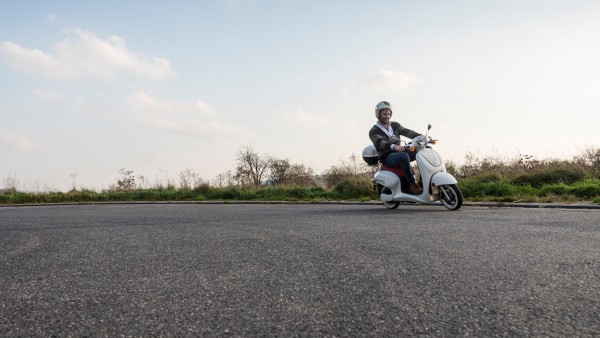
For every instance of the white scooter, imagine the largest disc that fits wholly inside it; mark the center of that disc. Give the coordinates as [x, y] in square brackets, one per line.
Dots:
[437, 183]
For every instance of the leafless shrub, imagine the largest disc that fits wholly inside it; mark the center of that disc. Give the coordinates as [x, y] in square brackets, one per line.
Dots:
[163, 181]
[225, 179]
[11, 184]
[142, 182]
[588, 159]
[126, 181]
[351, 168]
[73, 181]
[189, 179]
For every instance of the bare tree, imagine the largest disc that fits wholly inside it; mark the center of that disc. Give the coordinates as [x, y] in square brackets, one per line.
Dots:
[279, 171]
[301, 175]
[251, 167]
[284, 172]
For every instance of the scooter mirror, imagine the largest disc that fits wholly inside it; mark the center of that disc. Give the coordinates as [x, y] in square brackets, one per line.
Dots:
[428, 127]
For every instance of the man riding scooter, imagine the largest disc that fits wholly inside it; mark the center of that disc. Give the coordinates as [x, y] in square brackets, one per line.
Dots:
[385, 136]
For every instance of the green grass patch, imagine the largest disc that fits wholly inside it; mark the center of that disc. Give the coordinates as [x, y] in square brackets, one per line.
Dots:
[506, 191]
[356, 189]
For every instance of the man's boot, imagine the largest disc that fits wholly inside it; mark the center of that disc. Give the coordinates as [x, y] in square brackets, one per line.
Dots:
[414, 189]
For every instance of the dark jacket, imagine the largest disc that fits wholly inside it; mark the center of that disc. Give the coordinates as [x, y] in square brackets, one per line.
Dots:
[383, 143]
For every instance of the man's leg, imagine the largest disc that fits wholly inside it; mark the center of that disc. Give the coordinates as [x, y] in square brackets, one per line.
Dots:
[402, 159]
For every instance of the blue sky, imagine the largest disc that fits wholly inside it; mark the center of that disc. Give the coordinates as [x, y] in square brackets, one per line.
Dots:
[158, 87]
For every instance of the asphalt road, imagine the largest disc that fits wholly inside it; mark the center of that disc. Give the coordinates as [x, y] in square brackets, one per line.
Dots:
[298, 270]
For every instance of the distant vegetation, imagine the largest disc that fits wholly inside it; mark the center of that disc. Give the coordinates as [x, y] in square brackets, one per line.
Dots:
[265, 178]
[527, 179]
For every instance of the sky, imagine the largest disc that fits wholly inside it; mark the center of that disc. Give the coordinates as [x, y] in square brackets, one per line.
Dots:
[158, 87]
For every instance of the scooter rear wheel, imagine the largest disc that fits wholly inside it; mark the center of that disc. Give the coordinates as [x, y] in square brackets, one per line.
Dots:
[390, 204]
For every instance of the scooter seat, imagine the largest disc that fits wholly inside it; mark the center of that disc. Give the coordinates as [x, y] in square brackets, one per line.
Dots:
[396, 170]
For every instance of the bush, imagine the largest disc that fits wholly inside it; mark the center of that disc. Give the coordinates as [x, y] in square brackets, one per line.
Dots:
[237, 193]
[488, 178]
[119, 196]
[562, 174]
[473, 189]
[297, 192]
[587, 189]
[144, 195]
[203, 189]
[558, 189]
[230, 193]
[353, 188]
[82, 196]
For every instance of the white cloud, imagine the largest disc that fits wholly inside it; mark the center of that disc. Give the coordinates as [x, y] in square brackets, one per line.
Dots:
[471, 88]
[146, 100]
[33, 61]
[180, 116]
[345, 91]
[311, 121]
[382, 80]
[16, 140]
[303, 119]
[75, 103]
[85, 55]
[47, 95]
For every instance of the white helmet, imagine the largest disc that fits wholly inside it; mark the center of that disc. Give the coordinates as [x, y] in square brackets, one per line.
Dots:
[382, 105]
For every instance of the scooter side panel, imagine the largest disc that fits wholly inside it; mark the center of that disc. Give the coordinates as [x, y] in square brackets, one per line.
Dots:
[387, 179]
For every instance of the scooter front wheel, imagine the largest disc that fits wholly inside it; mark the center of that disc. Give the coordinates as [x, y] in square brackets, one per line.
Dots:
[451, 196]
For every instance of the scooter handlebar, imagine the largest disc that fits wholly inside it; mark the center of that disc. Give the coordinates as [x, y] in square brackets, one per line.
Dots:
[421, 141]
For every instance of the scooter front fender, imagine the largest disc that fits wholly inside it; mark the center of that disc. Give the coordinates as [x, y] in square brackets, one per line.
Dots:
[442, 178]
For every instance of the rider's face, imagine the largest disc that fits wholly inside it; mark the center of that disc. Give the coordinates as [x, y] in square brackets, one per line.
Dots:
[385, 115]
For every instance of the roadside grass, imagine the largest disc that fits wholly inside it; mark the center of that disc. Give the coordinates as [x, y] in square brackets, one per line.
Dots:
[488, 178]
[586, 190]
[527, 179]
[347, 190]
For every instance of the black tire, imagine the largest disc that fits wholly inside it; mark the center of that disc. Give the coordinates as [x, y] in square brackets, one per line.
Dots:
[392, 204]
[451, 196]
